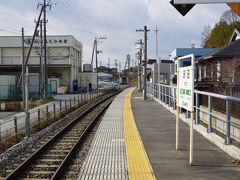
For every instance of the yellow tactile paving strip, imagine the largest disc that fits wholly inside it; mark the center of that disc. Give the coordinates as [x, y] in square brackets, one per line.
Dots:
[139, 166]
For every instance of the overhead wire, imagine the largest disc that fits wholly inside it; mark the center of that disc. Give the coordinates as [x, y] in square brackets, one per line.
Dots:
[145, 12]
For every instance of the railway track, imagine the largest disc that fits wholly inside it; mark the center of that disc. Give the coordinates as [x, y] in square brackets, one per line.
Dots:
[54, 153]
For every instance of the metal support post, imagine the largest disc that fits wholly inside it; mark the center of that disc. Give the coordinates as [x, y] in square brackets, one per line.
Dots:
[54, 110]
[191, 140]
[27, 114]
[177, 127]
[39, 115]
[228, 123]
[65, 106]
[209, 128]
[0, 131]
[159, 91]
[197, 109]
[174, 100]
[16, 129]
[27, 124]
[78, 100]
[169, 97]
[165, 95]
[60, 107]
[47, 112]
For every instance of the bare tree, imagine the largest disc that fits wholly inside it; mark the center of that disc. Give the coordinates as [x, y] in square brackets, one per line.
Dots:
[230, 17]
[205, 34]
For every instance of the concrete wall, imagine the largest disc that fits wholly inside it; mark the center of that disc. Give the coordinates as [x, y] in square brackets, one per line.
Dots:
[86, 78]
[63, 51]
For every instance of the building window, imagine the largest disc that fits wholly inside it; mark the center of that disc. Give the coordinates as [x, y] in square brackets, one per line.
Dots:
[163, 78]
[218, 70]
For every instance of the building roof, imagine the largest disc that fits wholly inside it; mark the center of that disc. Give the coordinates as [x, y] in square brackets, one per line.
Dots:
[103, 67]
[235, 35]
[101, 74]
[52, 41]
[230, 50]
[198, 52]
[167, 61]
[151, 61]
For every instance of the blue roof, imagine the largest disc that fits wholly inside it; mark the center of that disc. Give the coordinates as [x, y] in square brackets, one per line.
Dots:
[198, 52]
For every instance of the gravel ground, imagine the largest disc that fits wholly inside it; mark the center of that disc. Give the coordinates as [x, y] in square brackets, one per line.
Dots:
[76, 164]
[16, 154]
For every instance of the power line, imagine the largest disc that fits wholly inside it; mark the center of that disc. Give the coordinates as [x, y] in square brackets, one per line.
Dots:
[13, 32]
[145, 12]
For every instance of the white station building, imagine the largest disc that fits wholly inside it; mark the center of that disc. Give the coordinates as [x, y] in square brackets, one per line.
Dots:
[64, 59]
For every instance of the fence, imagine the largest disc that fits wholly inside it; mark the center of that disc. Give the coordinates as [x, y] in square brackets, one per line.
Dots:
[224, 121]
[13, 130]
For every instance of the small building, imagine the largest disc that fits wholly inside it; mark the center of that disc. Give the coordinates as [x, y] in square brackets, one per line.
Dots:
[219, 72]
[8, 88]
[180, 52]
[103, 69]
[160, 71]
[85, 79]
[64, 58]
[105, 77]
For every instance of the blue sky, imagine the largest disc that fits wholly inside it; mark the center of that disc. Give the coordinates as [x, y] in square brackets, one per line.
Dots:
[115, 19]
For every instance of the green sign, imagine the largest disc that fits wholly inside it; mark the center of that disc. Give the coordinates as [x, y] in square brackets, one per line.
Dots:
[185, 92]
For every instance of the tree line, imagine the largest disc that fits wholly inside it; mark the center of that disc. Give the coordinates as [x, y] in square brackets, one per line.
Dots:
[220, 34]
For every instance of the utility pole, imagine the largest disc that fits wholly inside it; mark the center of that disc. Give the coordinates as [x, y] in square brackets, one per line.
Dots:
[116, 63]
[41, 61]
[44, 11]
[25, 89]
[94, 44]
[109, 62]
[120, 69]
[140, 43]
[45, 48]
[156, 31]
[157, 58]
[97, 52]
[145, 30]
[23, 70]
[128, 66]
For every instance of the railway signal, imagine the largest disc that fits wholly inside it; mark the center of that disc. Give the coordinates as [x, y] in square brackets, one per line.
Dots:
[184, 6]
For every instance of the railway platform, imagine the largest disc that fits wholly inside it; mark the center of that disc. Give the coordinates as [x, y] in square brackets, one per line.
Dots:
[136, 140]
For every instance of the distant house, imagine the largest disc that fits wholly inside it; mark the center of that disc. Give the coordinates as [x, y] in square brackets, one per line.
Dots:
[219, 72]
[180, 52]
[160, 71]
[104, 69]
[105, 77]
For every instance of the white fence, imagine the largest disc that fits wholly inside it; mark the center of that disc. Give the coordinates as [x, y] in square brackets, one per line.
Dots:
[220, 121]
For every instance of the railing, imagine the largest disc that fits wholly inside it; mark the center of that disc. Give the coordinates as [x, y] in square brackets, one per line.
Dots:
[13, 129]
[226, 122]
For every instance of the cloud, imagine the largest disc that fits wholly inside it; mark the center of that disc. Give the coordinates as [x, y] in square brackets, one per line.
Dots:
[118, 20]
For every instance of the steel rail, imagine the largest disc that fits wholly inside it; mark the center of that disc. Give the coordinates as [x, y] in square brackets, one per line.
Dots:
[21, 168]
[63, 165]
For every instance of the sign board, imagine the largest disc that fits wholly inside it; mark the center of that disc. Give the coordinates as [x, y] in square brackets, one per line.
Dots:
[235, 7]
[186, 84]
[182, 8]
[204, 1]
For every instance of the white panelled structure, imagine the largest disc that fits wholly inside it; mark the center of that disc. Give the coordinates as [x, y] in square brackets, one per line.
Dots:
[64, 57]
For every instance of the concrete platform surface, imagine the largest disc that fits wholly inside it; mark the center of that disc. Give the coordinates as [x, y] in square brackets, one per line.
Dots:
[156, 126]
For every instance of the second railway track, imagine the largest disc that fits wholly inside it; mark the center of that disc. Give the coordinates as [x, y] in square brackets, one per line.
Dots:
[54, 153]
